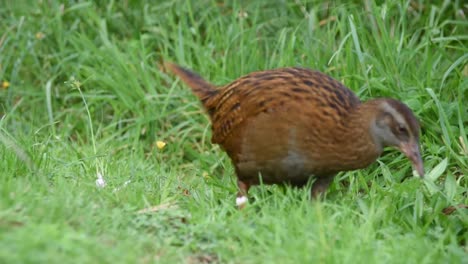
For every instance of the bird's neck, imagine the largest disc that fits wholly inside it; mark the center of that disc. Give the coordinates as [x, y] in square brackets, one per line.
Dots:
[362, 147]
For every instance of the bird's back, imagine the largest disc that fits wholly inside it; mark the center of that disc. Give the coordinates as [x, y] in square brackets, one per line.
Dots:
[289, 90]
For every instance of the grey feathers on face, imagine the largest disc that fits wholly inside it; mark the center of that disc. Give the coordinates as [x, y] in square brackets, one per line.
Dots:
[395, 124]
[400, 120]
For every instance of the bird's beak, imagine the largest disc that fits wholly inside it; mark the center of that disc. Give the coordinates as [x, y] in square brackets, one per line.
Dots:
[411, 150]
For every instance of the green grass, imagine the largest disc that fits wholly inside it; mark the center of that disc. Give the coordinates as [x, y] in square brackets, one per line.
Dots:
[86, 95]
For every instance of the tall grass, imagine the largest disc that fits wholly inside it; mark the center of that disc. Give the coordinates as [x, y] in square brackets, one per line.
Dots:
[54, 136]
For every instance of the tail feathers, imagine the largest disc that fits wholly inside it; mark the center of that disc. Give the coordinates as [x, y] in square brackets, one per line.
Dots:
[202, 89]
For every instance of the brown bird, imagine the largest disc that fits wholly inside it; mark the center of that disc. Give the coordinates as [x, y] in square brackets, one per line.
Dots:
[290, 124]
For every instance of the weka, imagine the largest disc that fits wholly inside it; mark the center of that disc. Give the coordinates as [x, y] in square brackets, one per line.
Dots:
[288, 125]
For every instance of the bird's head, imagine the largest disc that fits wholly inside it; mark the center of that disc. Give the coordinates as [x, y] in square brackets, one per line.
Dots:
[395, 125]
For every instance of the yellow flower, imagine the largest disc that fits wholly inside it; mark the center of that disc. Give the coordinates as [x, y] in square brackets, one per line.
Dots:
[5, 84]
[74, 83]
[160, 144]
[40, 35]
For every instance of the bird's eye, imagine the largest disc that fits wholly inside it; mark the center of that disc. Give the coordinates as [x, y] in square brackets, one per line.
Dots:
[402, 129]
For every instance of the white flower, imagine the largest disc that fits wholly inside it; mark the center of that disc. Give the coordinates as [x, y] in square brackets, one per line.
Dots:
[100, 182]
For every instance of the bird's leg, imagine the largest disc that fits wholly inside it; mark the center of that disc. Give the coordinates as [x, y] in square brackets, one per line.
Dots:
[242, 199]
[321, 185]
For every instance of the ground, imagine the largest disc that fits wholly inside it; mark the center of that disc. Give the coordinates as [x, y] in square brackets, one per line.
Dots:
[83, 94]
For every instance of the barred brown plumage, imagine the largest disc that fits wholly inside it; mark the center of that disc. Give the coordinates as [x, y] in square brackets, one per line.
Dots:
[290, 124]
